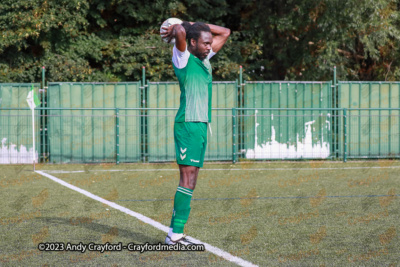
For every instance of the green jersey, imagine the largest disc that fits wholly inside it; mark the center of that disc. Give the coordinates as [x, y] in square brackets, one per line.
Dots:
[195, 82]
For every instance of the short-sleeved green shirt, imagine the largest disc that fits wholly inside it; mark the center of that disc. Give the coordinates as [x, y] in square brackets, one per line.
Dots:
[195, 82]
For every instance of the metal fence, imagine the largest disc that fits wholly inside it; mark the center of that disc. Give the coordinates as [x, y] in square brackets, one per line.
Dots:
[96, 135]
[286, 133]
[133, 121]
[373, 118]
[16, 136]
[16, 142]
[371, 133]
[278, 113]
[81, 122]
[368, 94]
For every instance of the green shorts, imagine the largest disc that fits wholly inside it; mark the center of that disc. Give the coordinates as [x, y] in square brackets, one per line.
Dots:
[190, 143]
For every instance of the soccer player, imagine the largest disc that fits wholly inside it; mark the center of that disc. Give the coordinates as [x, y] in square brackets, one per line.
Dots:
[195, 44]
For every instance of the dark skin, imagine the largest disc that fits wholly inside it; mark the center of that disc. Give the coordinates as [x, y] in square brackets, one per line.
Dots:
[201, 49]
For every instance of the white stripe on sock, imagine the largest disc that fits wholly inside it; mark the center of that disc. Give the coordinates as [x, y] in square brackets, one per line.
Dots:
[183, 192]
[185, 189]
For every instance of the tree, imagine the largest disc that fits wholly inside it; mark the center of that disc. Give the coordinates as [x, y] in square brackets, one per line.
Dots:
[96, 40]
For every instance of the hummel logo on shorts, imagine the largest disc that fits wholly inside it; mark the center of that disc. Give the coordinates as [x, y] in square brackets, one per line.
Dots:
[192, 160]
[183, 152]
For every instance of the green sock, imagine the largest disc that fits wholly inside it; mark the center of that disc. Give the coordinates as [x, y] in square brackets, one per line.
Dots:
[180, 215]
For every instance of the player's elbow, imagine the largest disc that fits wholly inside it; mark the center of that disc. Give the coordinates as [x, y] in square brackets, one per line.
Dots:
[227, 32]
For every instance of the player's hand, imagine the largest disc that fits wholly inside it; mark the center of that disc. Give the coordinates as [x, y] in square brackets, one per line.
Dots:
[169, 32]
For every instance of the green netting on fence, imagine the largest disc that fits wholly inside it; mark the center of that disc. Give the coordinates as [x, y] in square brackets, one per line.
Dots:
[16, 142]
[373, 129]
[90, 135]
[93, 122]
[286, 134]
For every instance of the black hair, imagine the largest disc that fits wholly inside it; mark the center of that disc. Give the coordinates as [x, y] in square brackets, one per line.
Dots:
[194, 31]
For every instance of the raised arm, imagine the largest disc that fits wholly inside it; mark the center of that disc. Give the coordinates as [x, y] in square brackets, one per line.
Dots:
[178, 32]
[220, 35]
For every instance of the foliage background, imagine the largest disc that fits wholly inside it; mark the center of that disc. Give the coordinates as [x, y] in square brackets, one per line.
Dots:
[97, 40]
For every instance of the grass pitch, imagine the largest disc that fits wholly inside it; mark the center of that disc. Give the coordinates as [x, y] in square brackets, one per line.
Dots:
[270, 214]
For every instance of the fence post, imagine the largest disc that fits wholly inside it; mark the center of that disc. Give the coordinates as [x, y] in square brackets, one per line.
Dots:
[345, 134]
[117, 133]
[142, 115]
[240, 113]
[233, 135]
[239, 105]
[334, 75]
[143, 75]
[241, 76]
[335, 116]
[42, 117]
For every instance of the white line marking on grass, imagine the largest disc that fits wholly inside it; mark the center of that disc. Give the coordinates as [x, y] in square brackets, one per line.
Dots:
[259, 169]
[219, 252]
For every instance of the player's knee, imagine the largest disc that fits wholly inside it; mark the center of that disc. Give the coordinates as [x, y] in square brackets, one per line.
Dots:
[189, 177]
[188, 184]
[192, 182]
